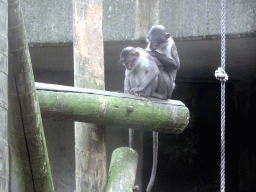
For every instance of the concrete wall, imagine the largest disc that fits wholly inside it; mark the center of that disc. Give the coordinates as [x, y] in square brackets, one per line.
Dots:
[50, 21]
[202, 17]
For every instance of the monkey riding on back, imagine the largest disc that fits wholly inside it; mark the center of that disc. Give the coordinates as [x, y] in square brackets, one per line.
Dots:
[151, 73]
[162, 46]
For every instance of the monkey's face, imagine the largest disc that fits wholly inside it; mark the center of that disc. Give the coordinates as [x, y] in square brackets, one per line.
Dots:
[155, 43]
[128, 65]
[128, 57]
[156, 37]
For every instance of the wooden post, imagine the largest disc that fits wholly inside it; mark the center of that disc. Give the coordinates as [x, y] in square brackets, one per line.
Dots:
[122, 170]
[4, 154]
[90, 140]
[26, 132]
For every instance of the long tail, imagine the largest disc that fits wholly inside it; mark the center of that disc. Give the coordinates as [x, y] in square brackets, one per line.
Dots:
[154, 166]
[131, 138]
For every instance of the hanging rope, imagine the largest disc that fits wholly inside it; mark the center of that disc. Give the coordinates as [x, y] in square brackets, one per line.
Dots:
[221, 75]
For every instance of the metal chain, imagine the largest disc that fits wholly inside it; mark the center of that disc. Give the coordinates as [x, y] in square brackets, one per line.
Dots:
[223, 57]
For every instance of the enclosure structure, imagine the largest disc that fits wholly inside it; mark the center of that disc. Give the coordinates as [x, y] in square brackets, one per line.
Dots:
[195, 26]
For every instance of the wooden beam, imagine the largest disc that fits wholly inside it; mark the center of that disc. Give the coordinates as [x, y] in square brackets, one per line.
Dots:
[111, 108]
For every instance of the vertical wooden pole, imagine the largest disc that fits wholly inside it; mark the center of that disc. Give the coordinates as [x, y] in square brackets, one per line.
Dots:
[90, 140]
[4, 155]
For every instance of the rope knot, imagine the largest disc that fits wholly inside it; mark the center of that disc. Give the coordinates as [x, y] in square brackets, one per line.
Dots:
[221, 75]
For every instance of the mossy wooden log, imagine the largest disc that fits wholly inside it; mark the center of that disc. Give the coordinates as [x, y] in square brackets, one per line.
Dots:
[122, 170]
[111, 108]
[26, 133]
[4, 148]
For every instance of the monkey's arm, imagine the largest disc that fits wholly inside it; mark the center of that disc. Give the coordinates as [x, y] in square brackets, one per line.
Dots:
[168, 63]
[127, 86]
[150, 75]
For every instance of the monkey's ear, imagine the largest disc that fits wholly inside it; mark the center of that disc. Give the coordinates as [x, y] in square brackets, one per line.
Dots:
[136, 54]
[167, 35]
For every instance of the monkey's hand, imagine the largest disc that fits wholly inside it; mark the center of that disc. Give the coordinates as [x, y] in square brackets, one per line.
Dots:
[168, 63]
[134, 91]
